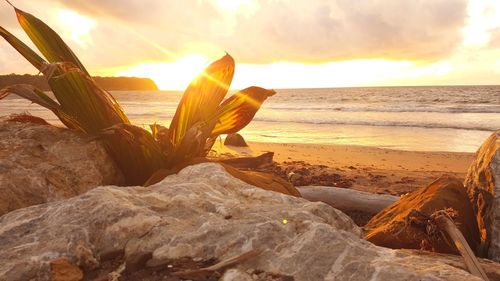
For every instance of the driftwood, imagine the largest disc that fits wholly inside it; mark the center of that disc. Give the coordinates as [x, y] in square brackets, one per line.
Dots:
[352, 200]
[347, 199]
[261, 161]
[446, 224]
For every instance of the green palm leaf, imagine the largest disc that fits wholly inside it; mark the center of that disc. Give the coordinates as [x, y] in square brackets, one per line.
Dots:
[32, 94]
[135, 151]
[81, 98]
[84, 106]
[24, 50]
[36, 96]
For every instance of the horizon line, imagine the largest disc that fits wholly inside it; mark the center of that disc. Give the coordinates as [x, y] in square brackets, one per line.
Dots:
[297, 88]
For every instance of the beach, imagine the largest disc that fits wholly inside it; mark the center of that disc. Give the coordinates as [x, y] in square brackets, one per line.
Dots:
[371, 169]
[254, 140]
[376, 139]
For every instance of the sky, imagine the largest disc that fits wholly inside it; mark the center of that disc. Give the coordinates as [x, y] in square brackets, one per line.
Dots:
[276, 43]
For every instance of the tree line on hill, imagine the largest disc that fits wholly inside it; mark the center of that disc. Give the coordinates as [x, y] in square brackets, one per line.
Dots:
[108, 83]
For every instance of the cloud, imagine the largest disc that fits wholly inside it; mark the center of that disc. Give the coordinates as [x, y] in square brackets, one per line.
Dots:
[300, 30]
[338, 30]
[134, 31]
[13, 62]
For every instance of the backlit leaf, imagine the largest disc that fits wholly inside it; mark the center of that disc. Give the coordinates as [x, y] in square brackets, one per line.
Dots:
[202, 97]
[239, 109]
[46, 40]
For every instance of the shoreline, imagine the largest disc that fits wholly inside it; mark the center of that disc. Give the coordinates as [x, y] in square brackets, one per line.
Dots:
[371, 169]
[351, 155]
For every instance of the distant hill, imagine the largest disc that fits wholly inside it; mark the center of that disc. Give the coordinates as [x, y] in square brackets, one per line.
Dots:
[108, 83]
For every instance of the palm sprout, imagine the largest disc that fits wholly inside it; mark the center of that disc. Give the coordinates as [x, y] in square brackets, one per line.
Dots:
[202, 114]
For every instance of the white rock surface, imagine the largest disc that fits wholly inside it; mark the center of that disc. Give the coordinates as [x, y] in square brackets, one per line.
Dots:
[202, 213]
[483, 187]
[41, 163]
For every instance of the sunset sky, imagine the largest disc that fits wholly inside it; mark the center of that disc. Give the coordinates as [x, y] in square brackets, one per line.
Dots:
[276, 43]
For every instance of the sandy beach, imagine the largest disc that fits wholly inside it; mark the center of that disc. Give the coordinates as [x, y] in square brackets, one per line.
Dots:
[363, 168]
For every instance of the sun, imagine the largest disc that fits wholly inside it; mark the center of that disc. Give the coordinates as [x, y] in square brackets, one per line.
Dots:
[234, 6]
[174, 75]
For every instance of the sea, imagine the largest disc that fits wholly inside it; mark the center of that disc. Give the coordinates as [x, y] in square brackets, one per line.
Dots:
[429, 118]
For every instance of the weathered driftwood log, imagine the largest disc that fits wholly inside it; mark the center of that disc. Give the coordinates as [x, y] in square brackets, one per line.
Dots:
[347, 199]
[261, 161]
[352, 200]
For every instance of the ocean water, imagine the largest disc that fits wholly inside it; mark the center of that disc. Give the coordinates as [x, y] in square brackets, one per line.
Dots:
[447, 118]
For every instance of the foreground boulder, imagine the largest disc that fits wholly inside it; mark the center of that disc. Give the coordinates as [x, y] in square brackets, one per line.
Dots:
[197, 218]
[403, 224]
[42, 163]
[483, 186]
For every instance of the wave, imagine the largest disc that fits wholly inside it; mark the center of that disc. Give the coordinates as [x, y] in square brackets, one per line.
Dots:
[379, 123]
[384, 124]
[378, 105]
[391, 108]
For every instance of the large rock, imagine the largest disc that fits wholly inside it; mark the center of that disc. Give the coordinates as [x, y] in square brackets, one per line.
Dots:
[403, 224]
[235, 140]
[42, 163]
[483, 186]
[198, 217]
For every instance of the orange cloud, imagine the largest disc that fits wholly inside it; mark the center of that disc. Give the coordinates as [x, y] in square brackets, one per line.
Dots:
[299, 30]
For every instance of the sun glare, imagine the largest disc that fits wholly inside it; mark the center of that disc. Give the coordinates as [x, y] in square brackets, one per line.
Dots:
[77, 27]
[173, 75]
[483, 17]
[233, 6]
[336, 74]
[178, 74]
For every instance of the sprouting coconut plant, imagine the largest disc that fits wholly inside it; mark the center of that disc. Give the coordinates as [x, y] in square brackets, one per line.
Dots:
[202, 114]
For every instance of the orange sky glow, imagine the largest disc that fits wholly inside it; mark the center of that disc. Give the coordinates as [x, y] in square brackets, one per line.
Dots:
[277, 43]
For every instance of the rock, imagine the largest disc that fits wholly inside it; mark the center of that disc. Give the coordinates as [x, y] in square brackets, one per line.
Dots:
[236, 275]
[235, 140]
[62, 270]
[267, 181]
[483, 186]
[41, 163]
[201, 216]
[398, 225]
